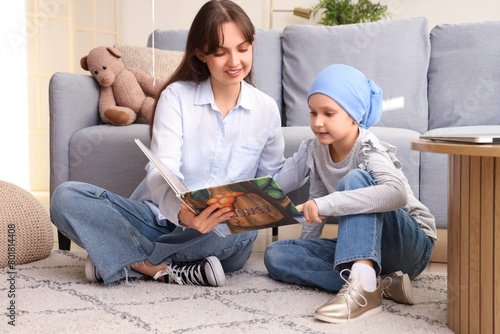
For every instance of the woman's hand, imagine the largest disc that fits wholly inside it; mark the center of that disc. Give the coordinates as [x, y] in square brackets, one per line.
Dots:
[310, 212]
[207, 220]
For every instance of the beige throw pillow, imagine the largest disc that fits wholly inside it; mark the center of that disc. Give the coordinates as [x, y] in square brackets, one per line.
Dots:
[140, 57]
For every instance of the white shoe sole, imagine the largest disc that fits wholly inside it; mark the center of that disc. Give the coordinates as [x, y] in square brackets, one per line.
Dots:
[366, 314]
[91, 271]
[215, 274]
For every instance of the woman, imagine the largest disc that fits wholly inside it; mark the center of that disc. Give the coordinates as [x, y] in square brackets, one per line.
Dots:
[210, 127]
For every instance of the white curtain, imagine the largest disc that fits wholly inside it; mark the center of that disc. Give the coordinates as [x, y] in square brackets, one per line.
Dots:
[14, 166]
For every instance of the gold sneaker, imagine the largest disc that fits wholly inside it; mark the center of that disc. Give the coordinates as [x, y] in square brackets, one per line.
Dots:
[351, 303]
[397, 286]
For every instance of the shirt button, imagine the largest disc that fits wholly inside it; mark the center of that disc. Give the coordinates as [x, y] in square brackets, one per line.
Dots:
[221, 130]
[217, 157]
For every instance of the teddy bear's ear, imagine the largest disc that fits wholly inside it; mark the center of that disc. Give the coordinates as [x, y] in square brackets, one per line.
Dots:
[83, 63]
[114, 51]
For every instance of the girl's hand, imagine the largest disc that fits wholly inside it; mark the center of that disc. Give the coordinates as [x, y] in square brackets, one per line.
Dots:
[207, 220]
[310, 211]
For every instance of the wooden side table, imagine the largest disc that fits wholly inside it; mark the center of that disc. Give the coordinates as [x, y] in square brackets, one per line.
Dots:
[473, 234]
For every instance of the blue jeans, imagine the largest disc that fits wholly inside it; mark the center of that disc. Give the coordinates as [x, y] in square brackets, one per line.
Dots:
[117, 232]
[393, 240]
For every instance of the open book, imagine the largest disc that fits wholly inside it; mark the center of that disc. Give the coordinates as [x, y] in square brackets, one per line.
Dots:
[258, 203]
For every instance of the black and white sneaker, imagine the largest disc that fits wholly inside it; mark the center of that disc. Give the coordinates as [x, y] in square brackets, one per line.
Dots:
[91, 271]
[205, 272]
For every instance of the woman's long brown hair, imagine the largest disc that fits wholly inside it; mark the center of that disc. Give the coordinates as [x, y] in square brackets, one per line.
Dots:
[204, 35]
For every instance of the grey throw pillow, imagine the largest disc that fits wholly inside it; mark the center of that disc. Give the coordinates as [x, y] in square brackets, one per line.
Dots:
[464, 75]
[395, 54]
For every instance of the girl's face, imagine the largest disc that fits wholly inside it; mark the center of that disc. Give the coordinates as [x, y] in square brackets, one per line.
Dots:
[232, 61]
[330, 122]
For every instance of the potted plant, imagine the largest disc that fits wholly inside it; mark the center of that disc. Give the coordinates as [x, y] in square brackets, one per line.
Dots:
[336, 12]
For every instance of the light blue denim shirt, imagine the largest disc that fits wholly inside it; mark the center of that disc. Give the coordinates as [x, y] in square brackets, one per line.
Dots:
[203, 149]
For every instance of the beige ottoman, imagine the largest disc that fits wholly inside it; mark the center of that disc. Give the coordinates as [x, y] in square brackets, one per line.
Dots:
[26, 233]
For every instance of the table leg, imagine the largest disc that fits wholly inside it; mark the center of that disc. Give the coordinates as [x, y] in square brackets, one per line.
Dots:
[473, 255]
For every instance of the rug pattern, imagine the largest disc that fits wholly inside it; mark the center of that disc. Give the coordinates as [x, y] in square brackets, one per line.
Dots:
[52, 296]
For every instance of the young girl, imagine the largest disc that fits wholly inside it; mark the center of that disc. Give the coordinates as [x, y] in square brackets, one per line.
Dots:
[211, 127]
[383, 228]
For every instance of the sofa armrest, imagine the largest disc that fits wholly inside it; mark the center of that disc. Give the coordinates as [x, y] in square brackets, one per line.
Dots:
[73, 105]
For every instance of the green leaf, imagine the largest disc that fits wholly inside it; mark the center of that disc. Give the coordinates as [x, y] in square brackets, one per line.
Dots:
[262, 182]
[276, 194]
[199, 194]
[337, 12]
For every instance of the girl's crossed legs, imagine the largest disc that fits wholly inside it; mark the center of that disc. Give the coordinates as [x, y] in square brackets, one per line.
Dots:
[392, 240]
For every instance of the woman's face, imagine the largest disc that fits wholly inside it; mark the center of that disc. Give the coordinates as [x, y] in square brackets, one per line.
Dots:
[232, 61]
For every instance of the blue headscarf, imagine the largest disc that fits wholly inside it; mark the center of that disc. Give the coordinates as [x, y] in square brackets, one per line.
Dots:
[360, 98]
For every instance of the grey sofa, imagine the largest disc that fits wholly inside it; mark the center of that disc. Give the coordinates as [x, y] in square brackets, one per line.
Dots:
[439, 83]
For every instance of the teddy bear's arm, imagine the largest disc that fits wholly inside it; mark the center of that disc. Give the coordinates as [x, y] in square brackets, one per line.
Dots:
[106, 98]
[106, 101]
[148, 84]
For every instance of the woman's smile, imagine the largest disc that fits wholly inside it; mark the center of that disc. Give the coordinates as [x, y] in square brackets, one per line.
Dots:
[234, 73]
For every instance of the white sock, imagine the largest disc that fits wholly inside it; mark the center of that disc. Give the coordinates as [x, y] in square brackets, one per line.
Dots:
[365, 275]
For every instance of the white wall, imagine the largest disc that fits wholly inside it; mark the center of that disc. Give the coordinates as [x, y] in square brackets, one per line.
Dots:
[137, 22]
[446, 11]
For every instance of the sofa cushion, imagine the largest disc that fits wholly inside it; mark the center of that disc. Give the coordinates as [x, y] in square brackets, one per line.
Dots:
[410, 159]
[141, 57]
[464, 75]
[394, 54]
[434, 173]
[169, 39]
[294, 136]
[267, 65]
[93, 148]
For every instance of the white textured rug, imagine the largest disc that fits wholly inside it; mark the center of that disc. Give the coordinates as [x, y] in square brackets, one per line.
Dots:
[52, 296]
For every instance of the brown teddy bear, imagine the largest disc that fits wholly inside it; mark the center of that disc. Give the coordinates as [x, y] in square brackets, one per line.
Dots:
[127, 95]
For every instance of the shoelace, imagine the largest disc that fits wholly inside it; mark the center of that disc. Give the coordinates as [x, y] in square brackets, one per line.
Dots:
[183, 274]
[386, 283]
[126, 277]
[346, 292]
